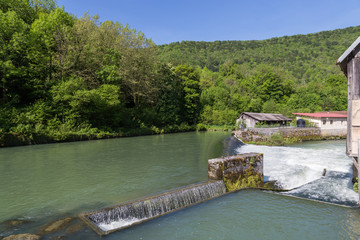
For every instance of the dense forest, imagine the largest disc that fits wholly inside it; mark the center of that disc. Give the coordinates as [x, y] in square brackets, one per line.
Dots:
[65, 78]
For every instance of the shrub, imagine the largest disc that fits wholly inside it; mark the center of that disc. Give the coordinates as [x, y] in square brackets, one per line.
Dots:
[201, 127]
[277, 139]
[356, 185]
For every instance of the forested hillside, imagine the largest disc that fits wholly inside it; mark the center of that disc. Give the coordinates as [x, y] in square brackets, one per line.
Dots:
[307, 57]
[285, 75]
[64, 78]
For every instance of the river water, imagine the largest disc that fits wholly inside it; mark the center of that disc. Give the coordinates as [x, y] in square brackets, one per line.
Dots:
[46, 182]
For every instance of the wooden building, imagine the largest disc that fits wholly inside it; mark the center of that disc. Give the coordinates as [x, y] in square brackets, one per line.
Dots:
[251, 119]
[349, 63]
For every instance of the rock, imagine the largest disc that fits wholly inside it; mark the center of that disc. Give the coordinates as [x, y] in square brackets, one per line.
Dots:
[25, 236]
[60, 238]
[77, 227]
[273, 186]
[56, 226]
[15, 222]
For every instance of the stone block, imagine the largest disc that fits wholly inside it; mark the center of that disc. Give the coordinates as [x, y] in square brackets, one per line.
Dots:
[238, 171]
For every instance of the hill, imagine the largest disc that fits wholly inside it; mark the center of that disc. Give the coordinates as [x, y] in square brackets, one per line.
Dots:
[280, 75]
[307, 57]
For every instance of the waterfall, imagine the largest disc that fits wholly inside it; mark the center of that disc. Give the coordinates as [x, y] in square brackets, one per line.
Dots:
[301, 167]
[131, 213]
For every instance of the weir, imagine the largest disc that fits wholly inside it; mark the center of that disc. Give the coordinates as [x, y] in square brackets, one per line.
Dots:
[232, 173]
[128, 214]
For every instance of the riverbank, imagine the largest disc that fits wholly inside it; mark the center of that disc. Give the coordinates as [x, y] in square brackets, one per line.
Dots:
[13, 139]
[282, 136]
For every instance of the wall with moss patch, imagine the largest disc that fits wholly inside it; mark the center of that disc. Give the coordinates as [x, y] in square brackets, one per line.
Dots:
[239, 171]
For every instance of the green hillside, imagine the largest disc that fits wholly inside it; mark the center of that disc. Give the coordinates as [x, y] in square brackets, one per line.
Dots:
[287, 74]
[308, 57]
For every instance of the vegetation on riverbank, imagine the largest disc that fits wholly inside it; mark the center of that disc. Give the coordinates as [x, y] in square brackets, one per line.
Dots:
[65, 78]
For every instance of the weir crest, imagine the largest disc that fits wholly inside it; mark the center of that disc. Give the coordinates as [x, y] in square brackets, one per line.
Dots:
[125, 215]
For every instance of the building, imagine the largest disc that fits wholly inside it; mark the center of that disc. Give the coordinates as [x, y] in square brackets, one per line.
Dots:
[349, 63]
[251, 119]
[330, 123]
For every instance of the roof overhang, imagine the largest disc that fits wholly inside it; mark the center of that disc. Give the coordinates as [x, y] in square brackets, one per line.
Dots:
[347, 55]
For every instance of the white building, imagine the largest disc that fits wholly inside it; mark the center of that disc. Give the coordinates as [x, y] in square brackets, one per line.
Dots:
[330, 123]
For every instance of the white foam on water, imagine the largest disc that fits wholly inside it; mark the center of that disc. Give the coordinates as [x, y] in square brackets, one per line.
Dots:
[336, 187]
[296, 166]
[118, 224]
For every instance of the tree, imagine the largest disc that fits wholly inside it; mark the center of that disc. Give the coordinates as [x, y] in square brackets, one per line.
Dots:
[53, 31]
[13, 42]
[170, 98]
[190, 81]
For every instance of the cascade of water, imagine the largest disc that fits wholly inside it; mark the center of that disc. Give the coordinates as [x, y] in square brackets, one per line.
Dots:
[138, 211]
[301, 168]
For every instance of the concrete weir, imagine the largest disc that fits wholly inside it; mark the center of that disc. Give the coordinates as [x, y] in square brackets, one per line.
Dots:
[125, 215]
[227, 175]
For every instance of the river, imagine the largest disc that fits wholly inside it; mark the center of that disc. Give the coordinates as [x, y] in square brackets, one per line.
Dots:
[46, 182]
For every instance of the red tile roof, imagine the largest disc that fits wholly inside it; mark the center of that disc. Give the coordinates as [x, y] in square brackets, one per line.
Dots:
[340, 114]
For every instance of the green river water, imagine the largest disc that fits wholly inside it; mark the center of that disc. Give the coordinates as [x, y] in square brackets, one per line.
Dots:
[44, 183]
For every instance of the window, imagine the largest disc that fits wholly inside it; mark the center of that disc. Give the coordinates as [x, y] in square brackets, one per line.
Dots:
[331, 121]
[324, 122]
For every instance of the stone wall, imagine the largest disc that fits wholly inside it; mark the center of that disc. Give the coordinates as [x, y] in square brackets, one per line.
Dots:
[300, 132]
[263, 135]
[239, 171]
[286, 131]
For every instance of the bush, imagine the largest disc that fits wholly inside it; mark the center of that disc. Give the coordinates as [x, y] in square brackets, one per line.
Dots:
[356, 185]
[201, 127]
[277, 139]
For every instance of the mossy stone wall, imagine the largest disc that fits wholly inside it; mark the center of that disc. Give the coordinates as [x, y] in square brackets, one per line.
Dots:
[239, 171]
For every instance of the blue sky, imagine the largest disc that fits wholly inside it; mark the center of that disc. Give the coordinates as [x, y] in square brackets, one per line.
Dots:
[166, 21]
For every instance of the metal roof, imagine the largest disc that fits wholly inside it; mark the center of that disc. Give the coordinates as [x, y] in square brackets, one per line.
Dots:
[347, 55]
[267, 116]
[348, 51]
[323, 114]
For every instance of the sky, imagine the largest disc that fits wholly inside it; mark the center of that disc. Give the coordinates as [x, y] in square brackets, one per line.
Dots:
[166, 21]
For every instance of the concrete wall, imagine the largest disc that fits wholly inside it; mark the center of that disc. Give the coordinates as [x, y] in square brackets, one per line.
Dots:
[250, 123]
[333, 123]
[334, 132]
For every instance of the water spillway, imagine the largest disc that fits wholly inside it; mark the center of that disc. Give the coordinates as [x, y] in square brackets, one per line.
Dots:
[301, 167]
[128, 214]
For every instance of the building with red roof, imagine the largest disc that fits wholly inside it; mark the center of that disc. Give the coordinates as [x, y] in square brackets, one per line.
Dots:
[330, 123]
